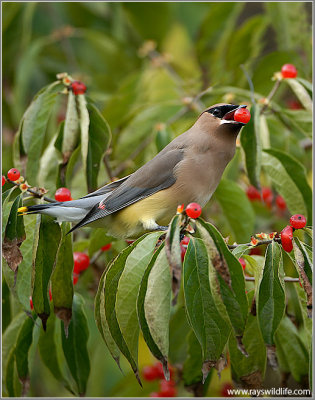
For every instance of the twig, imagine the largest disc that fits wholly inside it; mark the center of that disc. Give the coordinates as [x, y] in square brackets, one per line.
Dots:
[286, 279]
[34, 193]
[260, 243]
[270, 95]
[250, 84]
[107, 165]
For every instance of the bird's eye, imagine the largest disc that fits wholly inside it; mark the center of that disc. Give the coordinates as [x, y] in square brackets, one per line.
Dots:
[216, 112]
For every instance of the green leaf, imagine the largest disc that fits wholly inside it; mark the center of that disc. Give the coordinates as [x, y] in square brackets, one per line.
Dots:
[34, 126]
[101, 322]
[289, 178]
[128, 288]
[173, 253]
[75, 345]
[250, 368]
[229, 274]
[6, 207]
[179, 329]
[240, 250]
[6, 306]
[157, 305]
[14, 236]
[61, 279]
[250, 142]
[271, 294]
[84, 121]
[111, 282]
[301, 93]
[23, 344]
[292, 349]
[305, 262]
[192, 368]
[210, 328]
[71, 131]
[162, 137]
[237, 209]
[45, 251]
[9, 376]
[141, 309]
[99, 139]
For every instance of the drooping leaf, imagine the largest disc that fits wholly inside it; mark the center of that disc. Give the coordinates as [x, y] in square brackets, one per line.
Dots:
[75, 345]
[23, 344]
[111, 281]
[289, 178]
[99, 139]
[229, 274]
[192, 368]
[237, 209]
[271, 294]
[6, 207]
[61, 278]
[84, 122]
[14, 236]
[34, 127]
[71, 130]
[179, 329]
[173, 253]
[301, 93]
[308, 260]
[210, 328]
[250, 142]
[157, 305]
[44, 253]
[6, 306]
[292, 351]
[128, 288]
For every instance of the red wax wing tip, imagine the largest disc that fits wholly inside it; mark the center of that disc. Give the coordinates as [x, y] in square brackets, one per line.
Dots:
[298, 221]
[242, 115]
[78, 87]
[13, 174]
[288, 71]
[81, 262]
[193, 210]
[63, 194]
[286, 238]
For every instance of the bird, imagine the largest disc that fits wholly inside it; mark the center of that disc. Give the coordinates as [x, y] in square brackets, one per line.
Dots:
[187, 170]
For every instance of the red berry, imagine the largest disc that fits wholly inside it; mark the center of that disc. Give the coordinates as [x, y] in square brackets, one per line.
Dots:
[159, 370]
[75, 278]
[154, 394]
[81, 262]
[288, 71]
[298, 221]
[106, 247]
[183, 250]
[78, 87]
[281, 204]
[225, 390]
[13, 174]
[242, 262]
[63, 194]
[267, 196]
[242, 115]
[50, 295]
[129, 241]
[286, 238]
[31, 303]
[149, 373]
[167, 388]
[252, 193]
[193, 210]
[185, 241]
[3, 180]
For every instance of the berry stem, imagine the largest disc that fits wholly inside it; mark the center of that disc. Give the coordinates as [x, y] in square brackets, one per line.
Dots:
[270, 96]
[260, 243]
[34, 193]
[286, 279]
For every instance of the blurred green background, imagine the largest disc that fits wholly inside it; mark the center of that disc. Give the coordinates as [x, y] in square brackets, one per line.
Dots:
[194, 46]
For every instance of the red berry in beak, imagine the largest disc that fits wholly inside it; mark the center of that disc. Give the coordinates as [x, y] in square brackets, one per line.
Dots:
[298, 221]
[242, 115]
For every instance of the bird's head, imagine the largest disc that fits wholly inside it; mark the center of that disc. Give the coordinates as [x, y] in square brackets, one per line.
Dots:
[221, 117]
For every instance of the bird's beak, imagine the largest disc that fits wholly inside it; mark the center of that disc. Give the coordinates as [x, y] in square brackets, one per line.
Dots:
[229, 116]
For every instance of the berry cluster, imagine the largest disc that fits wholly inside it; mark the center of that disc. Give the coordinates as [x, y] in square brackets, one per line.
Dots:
[297, 221]
[155, 372]
[81, 263]
[266, 196]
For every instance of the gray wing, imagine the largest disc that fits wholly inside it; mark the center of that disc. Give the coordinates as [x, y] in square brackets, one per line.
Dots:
[156, 175]
[107, 188]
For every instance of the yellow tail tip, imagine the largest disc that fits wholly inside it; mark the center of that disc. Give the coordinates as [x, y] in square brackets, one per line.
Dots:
[22, 209]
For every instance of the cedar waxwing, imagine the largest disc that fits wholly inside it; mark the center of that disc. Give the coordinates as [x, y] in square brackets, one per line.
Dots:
[187, 170]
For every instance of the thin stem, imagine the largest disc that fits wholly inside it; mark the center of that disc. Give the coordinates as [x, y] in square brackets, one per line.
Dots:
[34, 193]
[260, 243]
[107, 166]
[270, 95]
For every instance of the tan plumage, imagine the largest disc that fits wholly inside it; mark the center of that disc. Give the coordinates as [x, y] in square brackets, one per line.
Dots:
[187, 170]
